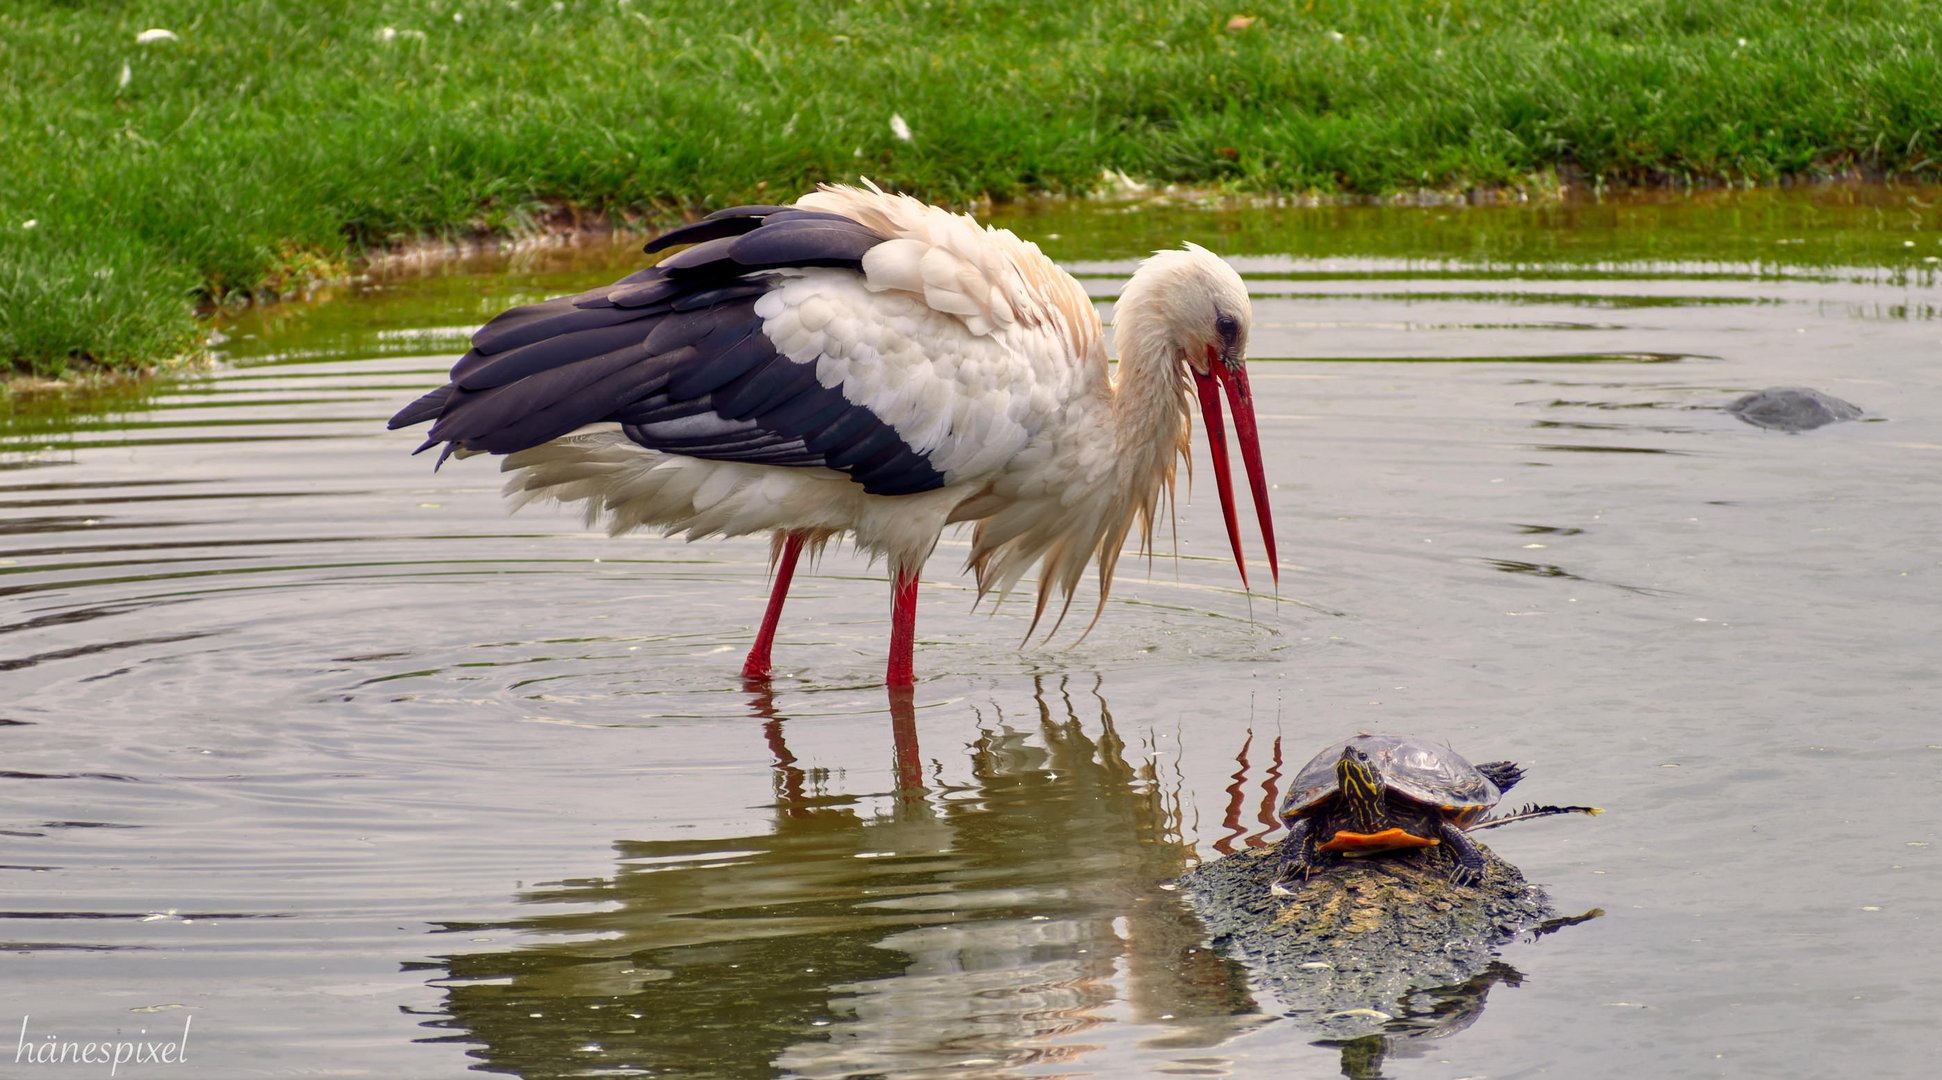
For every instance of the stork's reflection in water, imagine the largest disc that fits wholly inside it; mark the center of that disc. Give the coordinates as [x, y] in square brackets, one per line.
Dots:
[996, 925]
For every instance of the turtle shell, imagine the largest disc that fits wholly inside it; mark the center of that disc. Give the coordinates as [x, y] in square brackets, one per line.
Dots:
[1417, 769]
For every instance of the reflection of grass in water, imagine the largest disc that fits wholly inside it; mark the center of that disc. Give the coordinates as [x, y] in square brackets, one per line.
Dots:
[1554, 358]
[1720, 235]
[1591, 300]
[34, 420]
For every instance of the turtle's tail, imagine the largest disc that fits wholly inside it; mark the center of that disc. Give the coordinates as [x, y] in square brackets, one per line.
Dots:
[1533, 810]
[1505, 774]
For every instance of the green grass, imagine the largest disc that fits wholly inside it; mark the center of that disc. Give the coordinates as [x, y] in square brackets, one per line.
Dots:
[273, 140]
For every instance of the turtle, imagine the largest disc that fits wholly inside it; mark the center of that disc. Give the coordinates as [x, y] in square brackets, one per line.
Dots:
[1792, 408]
[1376, 793]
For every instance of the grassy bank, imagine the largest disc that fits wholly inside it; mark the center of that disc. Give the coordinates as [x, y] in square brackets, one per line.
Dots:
[269, 141]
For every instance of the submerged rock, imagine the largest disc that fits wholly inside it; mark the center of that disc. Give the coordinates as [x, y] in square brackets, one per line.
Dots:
[1792, 408]
[1381, 946]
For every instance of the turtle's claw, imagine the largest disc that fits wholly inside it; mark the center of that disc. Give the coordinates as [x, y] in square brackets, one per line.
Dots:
[1297, 858]
[1466, 876]
[1294, 877]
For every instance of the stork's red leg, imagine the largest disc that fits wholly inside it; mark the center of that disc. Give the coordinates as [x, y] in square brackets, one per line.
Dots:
[903, 630]
[757, 665]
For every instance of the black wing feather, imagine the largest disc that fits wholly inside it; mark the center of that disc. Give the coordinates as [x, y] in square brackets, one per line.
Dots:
[707, 255]
[474, 418]
[736, 350]
[425, 408]
[866, 448]
[808, 411]
[676, 354]
[708, 228]
[733, 221]
[573, 411]
[824, 241]
[848, 429]
[741, 290]
[645, 293]
[535, 322]
[754, 210]
[763, 388]
[477, 371]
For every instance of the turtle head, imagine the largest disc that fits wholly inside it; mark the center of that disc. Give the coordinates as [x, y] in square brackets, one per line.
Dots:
[1361, 788]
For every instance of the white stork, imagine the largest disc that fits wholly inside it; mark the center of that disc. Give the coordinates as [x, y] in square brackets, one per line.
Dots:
[864, 363]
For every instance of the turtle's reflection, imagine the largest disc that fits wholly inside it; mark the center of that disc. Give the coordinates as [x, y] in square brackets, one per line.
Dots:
[1428, 1014]
[1436, 1013]
[986, 926]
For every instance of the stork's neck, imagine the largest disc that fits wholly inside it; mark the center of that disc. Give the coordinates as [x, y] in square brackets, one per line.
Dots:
[1138, 422]
[1150, 410]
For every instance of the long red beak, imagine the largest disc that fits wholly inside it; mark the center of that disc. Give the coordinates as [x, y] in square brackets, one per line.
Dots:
[1245, 433]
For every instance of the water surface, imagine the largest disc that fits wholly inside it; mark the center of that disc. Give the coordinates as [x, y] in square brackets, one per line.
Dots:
[322, 748]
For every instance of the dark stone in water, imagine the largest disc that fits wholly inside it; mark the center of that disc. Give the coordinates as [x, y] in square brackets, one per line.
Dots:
[1792, 408]
[1370, 948]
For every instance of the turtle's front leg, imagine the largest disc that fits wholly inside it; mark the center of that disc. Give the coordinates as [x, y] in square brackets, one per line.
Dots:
[1469, 857]
[1297, 857]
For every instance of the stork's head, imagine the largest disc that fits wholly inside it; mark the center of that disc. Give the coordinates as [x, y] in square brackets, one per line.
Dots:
[1192, 309]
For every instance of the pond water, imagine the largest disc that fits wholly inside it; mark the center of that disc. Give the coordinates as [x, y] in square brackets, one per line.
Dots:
[319, 751]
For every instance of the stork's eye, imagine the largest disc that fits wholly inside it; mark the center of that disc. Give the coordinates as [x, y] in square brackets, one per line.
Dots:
[1227, 327]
